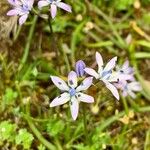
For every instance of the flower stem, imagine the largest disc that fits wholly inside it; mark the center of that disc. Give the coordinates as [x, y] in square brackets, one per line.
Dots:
[17, 34]
[36, 132]
[125, 105]
[53, 41]
[85, 124]
[28, 43]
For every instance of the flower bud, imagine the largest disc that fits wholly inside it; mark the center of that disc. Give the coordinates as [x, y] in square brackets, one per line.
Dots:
[80, 66]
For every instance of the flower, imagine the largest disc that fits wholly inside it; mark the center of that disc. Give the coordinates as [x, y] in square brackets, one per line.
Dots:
[54, 4]
[105, 74]
[125, 72]
[20, 8]
[128, 88]
[79, 67]
[72, 92]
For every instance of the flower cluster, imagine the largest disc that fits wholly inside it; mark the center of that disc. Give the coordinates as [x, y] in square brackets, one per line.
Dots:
[114, 77]
[22, 8]
[127, 82]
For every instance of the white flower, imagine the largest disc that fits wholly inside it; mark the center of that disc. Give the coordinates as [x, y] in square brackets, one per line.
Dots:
[72, 92]
[105, 74]
[53, 6]
[129, 88]
[21, 8]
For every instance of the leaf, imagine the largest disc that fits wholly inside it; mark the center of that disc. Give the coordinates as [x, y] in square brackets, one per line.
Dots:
[146, 86]
[41, 147]
[100, 139]
[8, 98]
[122, 4]
[35, 71]
[55, 127]
[59, 25]
[144, 43]
[76, 36]
[142, 55]
[24, 138]
[7, 131]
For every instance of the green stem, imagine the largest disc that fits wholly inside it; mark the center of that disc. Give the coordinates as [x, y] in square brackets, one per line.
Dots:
[28, 43]
[147, 139]
[85, 124]
[53, 41]
[17, 34]
[36, 132]
[133, 103]
[59, 147]
[74, 39]
[125, 105]
[50, 26]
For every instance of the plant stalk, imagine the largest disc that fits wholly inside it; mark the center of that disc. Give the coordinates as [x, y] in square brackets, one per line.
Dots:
[36, 132]
[28, 43]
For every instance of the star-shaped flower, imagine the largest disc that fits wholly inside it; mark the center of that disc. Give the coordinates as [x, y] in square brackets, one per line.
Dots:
[105, 74]
[21, 8]
[129, 88]
[72, 92]
[53, 6]
[125, 72]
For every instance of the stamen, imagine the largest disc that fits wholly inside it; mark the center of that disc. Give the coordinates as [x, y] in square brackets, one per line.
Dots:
[71, 82]
[72, 92]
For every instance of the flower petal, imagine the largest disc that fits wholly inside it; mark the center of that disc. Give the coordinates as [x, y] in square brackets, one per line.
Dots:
[85, 84]
[14, 2]
[64, 6]
[125, 65]
[72, 79]
[85, 98]
[42, 4]
[61, 84]
[135, 86]
[22, 19]
[12, 12]
[62, 99]
[74, 107]
[111, 64]
[53, 10]
[91, 72]
[30, 3]
[99, 60]
[126, 77]
[113, 89]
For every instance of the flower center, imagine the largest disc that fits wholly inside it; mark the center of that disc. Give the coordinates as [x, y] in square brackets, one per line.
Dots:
[25, 8]
[51, 1]
[72, 92]
[106, 74]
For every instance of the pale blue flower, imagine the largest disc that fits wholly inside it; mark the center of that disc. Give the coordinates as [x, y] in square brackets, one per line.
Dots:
[72, 92]
[129, 88]
[21, 8]
[105, 74]
[125, 72]
[53, 6]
